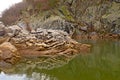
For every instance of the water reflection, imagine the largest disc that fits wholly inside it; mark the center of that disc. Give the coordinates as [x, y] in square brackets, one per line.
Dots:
[4, 76]
[31, 68]
[33, 76]
[103, 63]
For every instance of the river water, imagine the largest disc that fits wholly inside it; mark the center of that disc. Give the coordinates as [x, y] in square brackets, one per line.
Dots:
[102, 63]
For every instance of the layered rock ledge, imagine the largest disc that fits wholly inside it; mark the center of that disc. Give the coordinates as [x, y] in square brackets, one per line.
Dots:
[18, 43]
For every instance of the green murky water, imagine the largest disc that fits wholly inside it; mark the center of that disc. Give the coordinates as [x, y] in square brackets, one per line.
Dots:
[102, 63]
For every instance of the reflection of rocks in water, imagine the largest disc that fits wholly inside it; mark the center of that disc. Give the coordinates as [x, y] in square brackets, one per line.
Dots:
[41, 76]
[3, 64]
[43, 63]
[33, 76]
[32, 68]
[28, 64]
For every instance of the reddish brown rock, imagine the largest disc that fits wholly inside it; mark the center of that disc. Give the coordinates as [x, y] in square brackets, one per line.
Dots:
[9, 53]
[85, 48]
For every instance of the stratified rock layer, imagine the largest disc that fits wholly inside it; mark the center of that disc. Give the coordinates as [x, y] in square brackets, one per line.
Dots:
[46, 42]
[40, 42]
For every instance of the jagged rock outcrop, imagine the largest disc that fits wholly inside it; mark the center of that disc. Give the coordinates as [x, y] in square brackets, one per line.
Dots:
[54, 23]
[80, 17]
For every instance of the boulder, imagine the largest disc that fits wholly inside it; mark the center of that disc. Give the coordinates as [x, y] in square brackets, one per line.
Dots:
[12, 30]
[2, 32]
[93, 36]
[9, 53]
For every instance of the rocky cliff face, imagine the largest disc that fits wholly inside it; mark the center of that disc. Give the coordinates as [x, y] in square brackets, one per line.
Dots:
[80, 17]
[101, 15]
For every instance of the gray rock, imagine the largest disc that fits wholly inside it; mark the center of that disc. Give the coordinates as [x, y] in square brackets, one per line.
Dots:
[54, 23]
[2, 31]
[112, 18]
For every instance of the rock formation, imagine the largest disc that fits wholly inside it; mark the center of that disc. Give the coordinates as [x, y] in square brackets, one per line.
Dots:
[18, 42]
[9, 53]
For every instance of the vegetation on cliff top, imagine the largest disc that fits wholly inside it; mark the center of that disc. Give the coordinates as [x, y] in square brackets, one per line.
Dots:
[68, 9]
[94, 14]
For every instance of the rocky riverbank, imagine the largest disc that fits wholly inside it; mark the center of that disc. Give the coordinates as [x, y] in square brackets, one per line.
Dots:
[17, 42]
[55, 31]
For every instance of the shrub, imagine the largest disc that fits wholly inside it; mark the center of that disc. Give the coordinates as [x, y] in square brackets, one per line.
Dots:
[11, 15]
[42, 4]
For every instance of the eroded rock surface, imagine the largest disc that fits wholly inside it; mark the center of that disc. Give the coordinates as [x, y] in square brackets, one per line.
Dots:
[19, 42]
[9, 53]
[46, 42]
